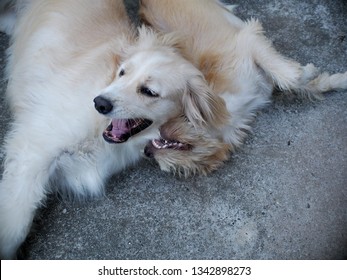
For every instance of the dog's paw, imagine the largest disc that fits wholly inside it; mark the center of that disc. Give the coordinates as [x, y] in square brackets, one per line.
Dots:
[309, 73]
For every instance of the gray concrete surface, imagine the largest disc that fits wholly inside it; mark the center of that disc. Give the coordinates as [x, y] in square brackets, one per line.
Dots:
[282, 196]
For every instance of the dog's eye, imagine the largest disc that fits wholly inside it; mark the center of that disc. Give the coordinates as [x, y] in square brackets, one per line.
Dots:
[121, 73]
[148, 92]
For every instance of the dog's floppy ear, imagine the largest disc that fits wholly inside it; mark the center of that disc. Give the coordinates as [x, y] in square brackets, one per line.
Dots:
[201, 106]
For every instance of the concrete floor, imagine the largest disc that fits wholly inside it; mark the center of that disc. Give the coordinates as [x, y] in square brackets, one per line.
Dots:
[282, 196]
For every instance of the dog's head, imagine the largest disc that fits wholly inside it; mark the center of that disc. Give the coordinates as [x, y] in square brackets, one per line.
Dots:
[187, 150]
[154, 84]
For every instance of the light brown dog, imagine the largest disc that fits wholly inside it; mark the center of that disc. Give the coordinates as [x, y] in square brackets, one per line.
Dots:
[240, 65]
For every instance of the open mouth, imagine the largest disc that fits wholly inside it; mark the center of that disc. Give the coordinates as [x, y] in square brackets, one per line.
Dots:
[164, 144]
[120, 130]
[170, 144]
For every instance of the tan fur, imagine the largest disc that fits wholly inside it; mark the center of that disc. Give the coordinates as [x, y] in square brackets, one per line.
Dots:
[204, 155]
[189, 18]
[240, 65]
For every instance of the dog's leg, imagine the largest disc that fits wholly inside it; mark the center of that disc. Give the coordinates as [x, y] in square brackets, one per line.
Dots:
[78, 176]
[243, 106]
[81, 172]
[287, 74]
[17, 209]
[284, 73]
[320, 84]
[22, 189]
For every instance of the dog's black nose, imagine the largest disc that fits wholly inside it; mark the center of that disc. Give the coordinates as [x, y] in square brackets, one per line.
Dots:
[148, 152]
[102, 105]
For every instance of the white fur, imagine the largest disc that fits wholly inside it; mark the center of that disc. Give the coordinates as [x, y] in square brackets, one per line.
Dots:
[64, 54]
[56, 130]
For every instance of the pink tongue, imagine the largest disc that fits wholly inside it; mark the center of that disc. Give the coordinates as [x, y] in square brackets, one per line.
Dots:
[119, 127]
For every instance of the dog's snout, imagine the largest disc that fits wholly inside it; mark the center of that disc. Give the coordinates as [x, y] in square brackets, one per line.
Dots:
[148, 152]
[103, 105]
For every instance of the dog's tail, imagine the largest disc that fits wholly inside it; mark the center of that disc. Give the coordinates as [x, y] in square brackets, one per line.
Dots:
[286, 74]
[322, 83]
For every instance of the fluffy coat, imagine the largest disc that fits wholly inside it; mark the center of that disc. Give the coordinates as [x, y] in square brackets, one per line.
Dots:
[63, 55]
[241, 66]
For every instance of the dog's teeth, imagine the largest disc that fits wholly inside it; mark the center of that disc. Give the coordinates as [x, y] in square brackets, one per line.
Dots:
[155, 144]
[164, 144]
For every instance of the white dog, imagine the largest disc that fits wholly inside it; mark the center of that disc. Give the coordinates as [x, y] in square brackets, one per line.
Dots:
[63, 55]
